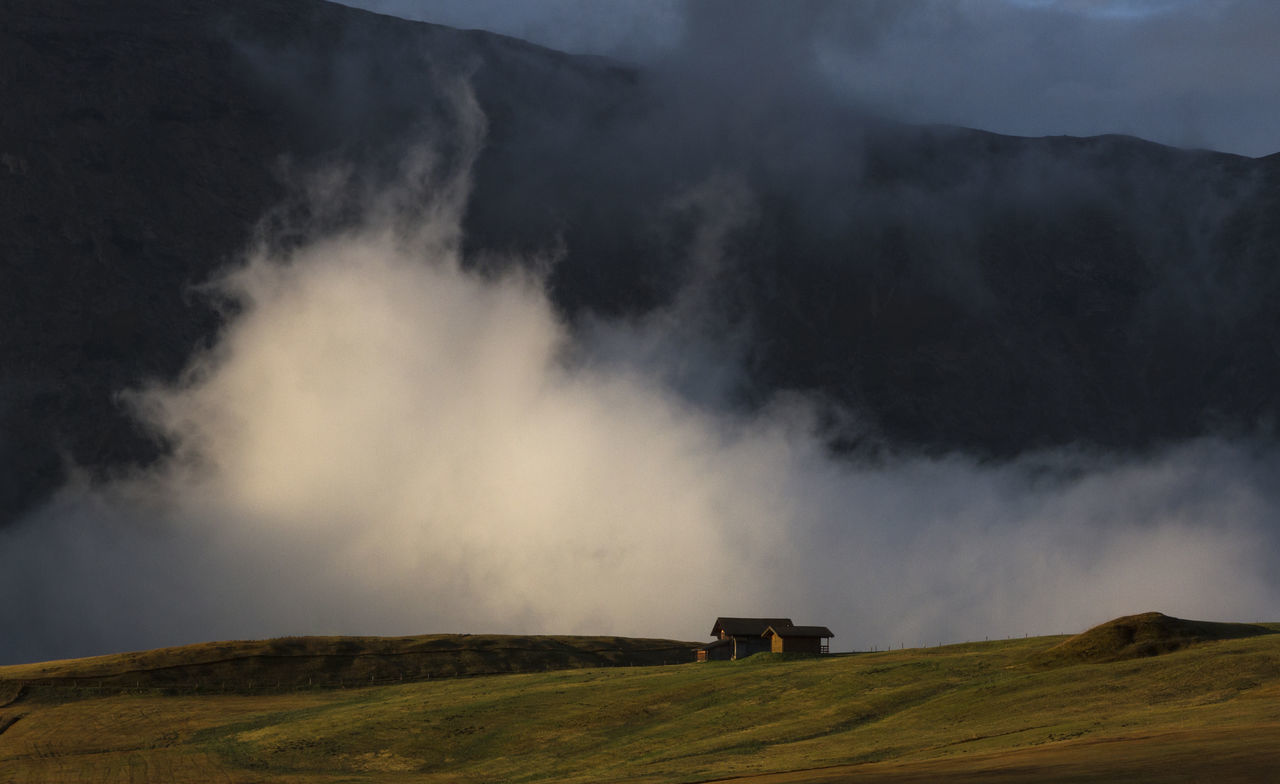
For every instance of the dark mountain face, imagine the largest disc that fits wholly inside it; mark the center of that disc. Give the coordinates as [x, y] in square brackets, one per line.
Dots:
[954, 289]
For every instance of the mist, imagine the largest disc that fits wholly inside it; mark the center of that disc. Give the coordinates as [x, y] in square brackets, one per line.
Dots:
[385, 439]
[1187, 74]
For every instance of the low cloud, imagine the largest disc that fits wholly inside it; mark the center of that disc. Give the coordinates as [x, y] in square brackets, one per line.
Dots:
[1187, 74]
[384, 442]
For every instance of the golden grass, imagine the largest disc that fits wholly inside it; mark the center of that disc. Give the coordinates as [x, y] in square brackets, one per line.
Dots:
[985, 711]
[1192, 756]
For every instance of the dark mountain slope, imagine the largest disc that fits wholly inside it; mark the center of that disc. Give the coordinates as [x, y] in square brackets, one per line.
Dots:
[956, 289]
[1000, 294]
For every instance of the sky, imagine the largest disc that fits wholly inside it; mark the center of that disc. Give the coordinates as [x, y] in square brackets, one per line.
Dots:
[1188, 73]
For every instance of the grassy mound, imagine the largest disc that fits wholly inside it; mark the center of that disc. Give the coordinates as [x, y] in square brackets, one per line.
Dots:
[1139, 636]
[300, 662]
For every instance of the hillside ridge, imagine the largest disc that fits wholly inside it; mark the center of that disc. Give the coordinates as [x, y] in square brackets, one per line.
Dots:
[296, 662]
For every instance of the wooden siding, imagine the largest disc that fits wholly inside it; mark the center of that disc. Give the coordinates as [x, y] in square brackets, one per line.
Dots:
[797, 644]
[745, 646]
[718, 653]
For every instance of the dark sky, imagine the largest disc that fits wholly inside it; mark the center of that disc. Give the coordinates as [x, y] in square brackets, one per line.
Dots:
[1189, 73]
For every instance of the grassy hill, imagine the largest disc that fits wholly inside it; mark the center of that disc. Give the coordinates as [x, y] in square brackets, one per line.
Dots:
[1148, 634]
[974, 713]
[288, 663]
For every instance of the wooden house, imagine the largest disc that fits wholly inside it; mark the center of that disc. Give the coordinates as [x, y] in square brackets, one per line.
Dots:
[737, 638]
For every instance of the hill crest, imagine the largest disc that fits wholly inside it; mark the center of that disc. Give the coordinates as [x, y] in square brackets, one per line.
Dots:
[1143, 635]
[299, 662]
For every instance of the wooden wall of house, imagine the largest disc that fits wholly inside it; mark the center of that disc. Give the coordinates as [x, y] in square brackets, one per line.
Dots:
[797, 645]
[749, 645]
[722, 653]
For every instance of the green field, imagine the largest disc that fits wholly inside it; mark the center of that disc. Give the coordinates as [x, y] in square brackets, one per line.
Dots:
[1100, 707]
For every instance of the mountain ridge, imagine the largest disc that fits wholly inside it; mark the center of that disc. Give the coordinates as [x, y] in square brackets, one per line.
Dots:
[938, 289]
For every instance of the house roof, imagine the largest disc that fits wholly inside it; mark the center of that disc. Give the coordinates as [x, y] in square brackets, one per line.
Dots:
[746, 627]
[714, 644]
[787, 631]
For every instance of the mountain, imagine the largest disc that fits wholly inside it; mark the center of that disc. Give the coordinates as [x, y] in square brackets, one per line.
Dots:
[951, 289]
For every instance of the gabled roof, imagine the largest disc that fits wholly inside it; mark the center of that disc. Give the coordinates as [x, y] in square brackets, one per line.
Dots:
[790, 632]
[746, 627]
[714, 644]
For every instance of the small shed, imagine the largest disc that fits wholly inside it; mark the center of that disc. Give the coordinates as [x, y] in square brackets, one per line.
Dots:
[798, 639]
